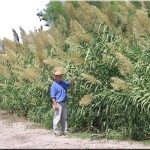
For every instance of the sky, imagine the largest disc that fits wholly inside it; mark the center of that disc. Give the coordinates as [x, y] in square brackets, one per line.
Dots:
[15, 13]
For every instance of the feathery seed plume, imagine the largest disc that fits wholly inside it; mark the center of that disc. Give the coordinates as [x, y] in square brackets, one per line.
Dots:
[75, 58]
[126, 66]
[4, 57]
[31, 73]
[89, 78]
[53, 62]
[86, 99]
[118, 84]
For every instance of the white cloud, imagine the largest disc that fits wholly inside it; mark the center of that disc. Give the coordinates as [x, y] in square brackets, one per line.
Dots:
[15, 13]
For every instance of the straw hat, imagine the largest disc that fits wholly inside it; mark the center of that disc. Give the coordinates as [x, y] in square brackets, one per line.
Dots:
[58, 73]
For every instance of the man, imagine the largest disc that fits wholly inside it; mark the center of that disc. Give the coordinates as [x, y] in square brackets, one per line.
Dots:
[58, 93]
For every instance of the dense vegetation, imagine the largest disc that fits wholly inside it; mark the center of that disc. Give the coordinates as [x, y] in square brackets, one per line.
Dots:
[105, 46]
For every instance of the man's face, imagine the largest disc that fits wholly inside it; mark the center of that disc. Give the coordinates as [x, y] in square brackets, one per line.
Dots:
[58, 77]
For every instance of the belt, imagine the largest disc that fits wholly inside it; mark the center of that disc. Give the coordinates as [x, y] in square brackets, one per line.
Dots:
[62, 102]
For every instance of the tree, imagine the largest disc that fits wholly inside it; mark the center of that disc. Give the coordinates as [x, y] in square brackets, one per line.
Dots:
[52, 12]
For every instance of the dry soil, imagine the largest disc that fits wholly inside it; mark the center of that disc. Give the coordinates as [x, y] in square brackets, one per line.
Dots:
[22, 134]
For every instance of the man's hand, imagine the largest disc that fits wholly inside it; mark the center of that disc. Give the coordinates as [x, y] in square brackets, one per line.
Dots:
[56, 107]
[54, 103]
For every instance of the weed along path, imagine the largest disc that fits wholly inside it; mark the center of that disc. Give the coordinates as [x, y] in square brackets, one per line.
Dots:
[18, 133]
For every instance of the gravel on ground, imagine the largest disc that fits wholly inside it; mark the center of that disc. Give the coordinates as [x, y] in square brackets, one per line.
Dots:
[23, 134]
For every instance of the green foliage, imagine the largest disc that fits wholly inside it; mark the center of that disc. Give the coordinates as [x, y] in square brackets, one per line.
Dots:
[106, 55]
[148, 13]
[112, 134]
[75, 4]
[137, 4]
[53, 10]
[114, 6]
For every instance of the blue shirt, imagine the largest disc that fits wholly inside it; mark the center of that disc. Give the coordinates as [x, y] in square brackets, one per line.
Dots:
[58, 90]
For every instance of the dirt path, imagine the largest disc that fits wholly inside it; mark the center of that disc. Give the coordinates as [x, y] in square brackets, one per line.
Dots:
[23, 134]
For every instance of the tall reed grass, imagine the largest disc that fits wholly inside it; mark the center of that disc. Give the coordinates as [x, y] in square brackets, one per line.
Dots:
[96, 53]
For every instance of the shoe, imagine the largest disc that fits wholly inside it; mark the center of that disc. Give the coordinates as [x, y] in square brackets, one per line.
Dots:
[57, 133]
